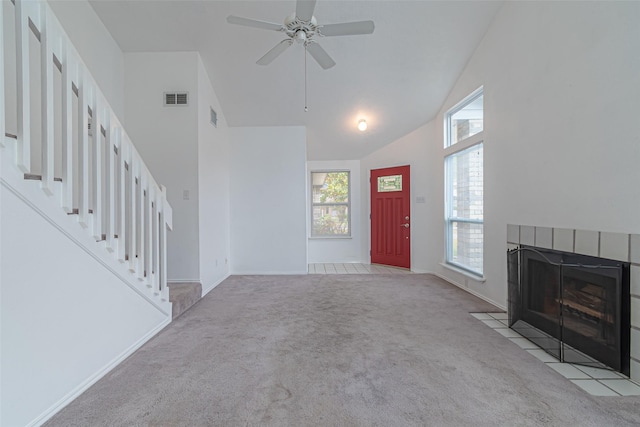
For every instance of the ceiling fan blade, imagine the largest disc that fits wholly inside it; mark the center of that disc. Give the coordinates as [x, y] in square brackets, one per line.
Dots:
[231, 19]
[304, 9]
[320, 55]
[347, 28]
[275, 52]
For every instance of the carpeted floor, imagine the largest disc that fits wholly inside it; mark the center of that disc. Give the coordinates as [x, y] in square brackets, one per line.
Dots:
[340, 350]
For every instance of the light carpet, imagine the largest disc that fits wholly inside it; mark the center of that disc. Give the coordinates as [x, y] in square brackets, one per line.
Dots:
[338, 350]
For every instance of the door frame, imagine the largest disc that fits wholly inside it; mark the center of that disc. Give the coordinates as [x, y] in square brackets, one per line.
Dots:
[410, 208]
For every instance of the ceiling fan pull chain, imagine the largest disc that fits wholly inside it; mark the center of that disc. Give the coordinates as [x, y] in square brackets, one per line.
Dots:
[305, 79]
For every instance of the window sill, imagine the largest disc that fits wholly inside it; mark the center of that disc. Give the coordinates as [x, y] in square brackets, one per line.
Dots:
[479, 279]
[330, 237]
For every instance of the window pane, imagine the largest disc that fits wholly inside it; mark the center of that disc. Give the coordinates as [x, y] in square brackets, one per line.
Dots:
[466, 187]
[330, 204]
[330, 187]
[467, 245]
[330, 220]
[466, 121]
[389, 183]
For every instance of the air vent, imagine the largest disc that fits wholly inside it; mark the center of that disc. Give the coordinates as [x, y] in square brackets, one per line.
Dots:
[214, 117]
[173, 99]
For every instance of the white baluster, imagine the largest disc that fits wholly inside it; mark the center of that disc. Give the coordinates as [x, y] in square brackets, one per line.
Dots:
[97, 165]
[155, 242]
[23, 150]
[67, 132]
[83, 149]
[133, 170]
[164, 290]
[123, 231]
[142, 181]
[148, 226]
[110, 184]
[46, 60]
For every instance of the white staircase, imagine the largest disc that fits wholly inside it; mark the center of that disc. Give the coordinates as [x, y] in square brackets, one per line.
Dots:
[68, 156]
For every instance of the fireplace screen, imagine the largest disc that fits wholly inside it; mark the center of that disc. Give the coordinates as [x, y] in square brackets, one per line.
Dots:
[574, 307]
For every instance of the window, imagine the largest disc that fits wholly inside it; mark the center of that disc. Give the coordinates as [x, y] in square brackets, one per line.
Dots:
[330, 215]
[465, 119]
[464, 187]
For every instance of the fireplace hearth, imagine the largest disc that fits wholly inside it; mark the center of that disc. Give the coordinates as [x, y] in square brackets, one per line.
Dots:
[576, 307]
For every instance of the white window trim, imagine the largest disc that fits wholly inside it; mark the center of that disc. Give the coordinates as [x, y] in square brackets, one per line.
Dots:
[311, 204]
[448, 220]
[449, 150]
[451, 111]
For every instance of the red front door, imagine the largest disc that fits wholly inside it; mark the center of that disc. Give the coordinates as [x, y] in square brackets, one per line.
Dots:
[390, 216]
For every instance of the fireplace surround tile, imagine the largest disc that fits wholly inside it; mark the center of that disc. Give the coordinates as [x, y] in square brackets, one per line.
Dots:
[568, 371]
[527, 235]
[635, 280]
[586, 242]
[544, 237]
[635, 312]
[635, 369]
[594, 388]
[623, 387]
[563, 239]
[513, 233]
[635, 343]
[634, 255]
[614, 246]
[600, 374]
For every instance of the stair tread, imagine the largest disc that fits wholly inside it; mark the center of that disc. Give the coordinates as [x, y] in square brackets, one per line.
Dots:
[36, 177]
[183, 296]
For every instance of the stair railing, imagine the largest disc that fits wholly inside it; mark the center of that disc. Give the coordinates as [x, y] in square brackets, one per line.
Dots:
[102, 179]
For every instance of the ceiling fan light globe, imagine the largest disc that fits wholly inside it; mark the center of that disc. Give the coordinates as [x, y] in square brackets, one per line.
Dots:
[300, 36]
[362, 125]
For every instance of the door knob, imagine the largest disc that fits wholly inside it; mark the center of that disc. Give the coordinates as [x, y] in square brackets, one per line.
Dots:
[405, 225]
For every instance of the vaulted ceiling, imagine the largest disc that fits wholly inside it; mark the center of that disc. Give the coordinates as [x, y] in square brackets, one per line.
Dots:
[396, 78]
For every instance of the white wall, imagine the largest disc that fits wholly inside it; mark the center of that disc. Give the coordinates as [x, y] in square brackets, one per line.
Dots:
[167, 139]
[65, 318]
[268, 200]
[561, 148]
[338, 250]
[213, 186]
[560, 142]
[409, 150]
[96, 46]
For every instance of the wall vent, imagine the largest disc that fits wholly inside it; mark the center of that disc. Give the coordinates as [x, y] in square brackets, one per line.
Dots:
[173, 99]
[214, 117]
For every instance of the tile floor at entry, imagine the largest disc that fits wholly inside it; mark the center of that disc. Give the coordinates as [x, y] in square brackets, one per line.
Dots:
[596, 382]
[353, 268]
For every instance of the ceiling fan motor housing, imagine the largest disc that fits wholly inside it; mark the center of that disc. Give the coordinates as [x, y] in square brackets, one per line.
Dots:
[299, 30]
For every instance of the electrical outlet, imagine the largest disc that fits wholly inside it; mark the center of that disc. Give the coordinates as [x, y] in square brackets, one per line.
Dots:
[226, 261]
[216, 262]
[185, 195]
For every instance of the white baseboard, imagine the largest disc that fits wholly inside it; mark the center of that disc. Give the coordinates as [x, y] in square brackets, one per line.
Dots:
[420, 271]
[270, 273]
[471, 291]
[82, 387]
[183, 281]
[210, 288]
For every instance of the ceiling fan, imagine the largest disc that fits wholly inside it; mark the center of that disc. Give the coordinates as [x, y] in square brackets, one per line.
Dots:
[302, 27]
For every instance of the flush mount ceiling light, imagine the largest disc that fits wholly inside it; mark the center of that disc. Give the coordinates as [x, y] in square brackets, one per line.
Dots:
[362, 125]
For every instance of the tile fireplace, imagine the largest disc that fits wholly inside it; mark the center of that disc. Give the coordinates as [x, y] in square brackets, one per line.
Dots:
[576, 294]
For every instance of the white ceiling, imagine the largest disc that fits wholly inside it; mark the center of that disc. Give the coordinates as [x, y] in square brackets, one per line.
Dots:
[396, 78]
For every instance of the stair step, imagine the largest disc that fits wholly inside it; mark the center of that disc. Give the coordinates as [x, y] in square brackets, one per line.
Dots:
[76, 211]
[183, 296]
[35, 177]
[10, 135]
